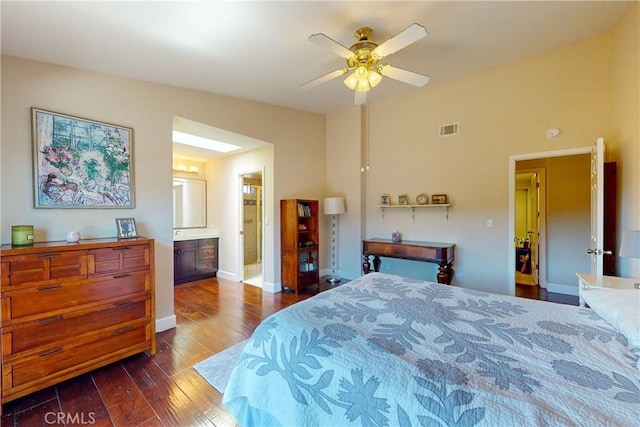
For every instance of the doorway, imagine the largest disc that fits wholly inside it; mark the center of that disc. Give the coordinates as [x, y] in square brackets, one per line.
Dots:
[564, 228]
[529, 218]
[252, 226]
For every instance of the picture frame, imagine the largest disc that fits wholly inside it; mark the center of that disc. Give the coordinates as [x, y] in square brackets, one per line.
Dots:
[126, 228]
[439, 199]
[81, 163]
[403, 199]
[385, 200]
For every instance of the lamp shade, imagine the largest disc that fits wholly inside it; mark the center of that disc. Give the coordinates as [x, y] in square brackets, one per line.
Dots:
[630, 247]
[333, 206]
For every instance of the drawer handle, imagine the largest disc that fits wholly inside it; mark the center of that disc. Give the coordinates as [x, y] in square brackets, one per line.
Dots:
[120, 276]
[123, 248]
[52, 351]
[49, 255]
[123, 330]
[47, 288]
[49, 320]
[121, 303]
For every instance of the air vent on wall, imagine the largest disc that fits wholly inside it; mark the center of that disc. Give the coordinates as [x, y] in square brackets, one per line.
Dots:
[446, 130]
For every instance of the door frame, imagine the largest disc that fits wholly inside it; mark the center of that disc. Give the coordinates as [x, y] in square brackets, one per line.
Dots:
[512, 209]
[241, 221]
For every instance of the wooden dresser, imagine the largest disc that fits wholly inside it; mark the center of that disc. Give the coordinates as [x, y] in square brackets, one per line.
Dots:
[69, 308]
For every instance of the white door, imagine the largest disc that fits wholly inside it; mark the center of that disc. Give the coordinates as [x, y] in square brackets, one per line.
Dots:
[597, 207]
[534, 230]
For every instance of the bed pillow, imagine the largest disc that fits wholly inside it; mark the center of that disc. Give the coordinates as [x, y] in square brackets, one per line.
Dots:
[619, 307]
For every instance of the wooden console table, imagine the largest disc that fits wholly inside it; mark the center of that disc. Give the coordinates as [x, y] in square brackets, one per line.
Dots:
[438, 253]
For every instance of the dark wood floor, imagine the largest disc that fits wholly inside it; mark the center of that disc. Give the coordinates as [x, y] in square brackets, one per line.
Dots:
[164, 390]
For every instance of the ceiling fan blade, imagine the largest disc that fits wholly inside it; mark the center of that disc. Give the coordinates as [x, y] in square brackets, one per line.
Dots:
[322, 79]
[329, 43]
[405, 76]
[411, 34]
[360, 98]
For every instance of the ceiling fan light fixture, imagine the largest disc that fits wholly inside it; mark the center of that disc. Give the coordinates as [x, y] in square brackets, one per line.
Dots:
[374, 78]
[351, 81]
[363, 86]
[362, 73]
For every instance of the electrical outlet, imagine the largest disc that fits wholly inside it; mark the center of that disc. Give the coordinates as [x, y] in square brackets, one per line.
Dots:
[490, 223]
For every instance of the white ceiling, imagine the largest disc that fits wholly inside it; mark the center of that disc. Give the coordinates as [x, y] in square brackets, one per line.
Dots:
[258, 50]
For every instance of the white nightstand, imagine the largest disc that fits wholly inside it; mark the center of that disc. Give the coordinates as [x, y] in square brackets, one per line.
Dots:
[587, 281]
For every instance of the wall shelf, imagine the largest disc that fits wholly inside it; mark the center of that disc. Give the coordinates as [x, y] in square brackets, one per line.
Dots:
[413, 209]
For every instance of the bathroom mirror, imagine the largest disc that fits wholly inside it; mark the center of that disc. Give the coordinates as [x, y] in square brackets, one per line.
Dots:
[189, 203]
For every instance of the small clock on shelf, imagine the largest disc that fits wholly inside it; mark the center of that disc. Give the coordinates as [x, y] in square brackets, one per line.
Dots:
[422, 199]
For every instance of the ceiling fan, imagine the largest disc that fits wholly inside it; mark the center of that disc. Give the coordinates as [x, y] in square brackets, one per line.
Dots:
[363, 58]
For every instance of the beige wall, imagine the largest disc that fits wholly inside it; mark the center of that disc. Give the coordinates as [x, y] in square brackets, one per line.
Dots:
[149, 109]
[624, 146]
[225, 201]
[502, 111]
[568, 217]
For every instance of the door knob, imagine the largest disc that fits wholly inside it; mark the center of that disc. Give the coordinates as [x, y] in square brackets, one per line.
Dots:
[598, 252]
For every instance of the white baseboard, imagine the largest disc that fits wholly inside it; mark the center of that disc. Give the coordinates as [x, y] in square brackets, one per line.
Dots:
[274, 288]
[228, 276]
[562, 289]
[166, 323]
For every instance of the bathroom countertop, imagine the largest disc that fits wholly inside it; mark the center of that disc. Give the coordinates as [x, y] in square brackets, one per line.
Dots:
[195, 233]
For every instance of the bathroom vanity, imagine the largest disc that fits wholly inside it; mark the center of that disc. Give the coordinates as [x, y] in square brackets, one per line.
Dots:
[195, 255]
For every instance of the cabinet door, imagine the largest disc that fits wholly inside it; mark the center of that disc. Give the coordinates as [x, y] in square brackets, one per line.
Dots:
[186, 259]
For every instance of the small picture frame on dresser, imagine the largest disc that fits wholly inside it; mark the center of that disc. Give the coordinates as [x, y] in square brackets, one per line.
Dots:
[385, 200]
[126, 228]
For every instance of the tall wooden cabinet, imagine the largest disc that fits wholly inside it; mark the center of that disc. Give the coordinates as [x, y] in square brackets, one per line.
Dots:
[69, 308]
[299, 243]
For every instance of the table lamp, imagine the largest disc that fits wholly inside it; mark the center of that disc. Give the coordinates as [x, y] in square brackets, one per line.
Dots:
[630, 246]
[334, 206]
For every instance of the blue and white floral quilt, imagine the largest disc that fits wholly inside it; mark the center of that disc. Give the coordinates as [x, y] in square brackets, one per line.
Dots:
[384, 350]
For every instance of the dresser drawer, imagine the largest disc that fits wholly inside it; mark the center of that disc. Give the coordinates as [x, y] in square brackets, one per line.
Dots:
[60, 362]
[72, 325]
[119, 259]
[57, 266]
[45, 300]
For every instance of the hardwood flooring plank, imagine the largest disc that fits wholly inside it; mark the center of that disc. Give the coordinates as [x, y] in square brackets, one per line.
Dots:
[81, 401]
[44, 414]
[179, 353]
[171, 404]
[127, 406]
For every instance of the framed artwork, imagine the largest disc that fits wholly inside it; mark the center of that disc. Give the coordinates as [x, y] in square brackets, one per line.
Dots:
[126, 228]
[439, 199]
[385, 200]
[80, 163]
[403, 199]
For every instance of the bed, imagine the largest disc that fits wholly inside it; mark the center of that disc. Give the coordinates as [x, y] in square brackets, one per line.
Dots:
[384, 350]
